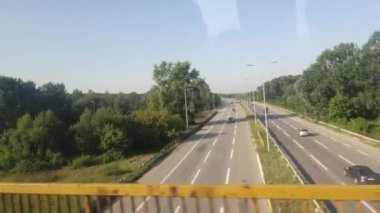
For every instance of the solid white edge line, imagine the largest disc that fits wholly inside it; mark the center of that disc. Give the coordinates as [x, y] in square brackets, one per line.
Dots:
[361, 152]
[177, 209]
[195, 176]
[227, 176]
[298, 144]
[345, 159]
[208, 154]
[321, 144]
[260, 168]
[321, 164]
[334, 138]
[232, 154]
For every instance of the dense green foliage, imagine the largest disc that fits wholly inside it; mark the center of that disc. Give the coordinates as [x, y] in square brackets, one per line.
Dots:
[342, 86]
[47, 127]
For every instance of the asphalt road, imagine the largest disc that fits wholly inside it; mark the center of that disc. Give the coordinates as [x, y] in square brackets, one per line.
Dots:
[324, 154]
[220, 153]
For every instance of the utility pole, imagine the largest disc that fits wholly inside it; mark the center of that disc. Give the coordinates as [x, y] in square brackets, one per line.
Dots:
[266, 118]
[187, 119]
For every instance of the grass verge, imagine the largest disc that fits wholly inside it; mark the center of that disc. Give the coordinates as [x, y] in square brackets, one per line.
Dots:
[275, 168]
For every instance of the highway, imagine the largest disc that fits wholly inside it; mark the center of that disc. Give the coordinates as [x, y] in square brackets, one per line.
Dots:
[221, 152]
[323, 155]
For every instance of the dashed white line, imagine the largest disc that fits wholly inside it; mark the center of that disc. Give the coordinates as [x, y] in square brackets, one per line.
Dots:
[227, 176]
[286, 134]
[345, 159]
[292, 126]
[232, 154]
[298, 144]
[346, 144]
[213, 143]
[142, 204]
[195, 176]
[221, 210]
[177, 209]
[368, 206]
[278, 127]
[272, 122]
[361, 152]
[208, 154]
[321, 144]
[233, 141]
[321, 164]
[235, 132]
[333, 138]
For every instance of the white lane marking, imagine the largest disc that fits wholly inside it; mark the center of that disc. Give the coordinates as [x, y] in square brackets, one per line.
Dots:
[232, 154]
[333, 138]
[346, 144]
[177, 209]
[221, 210]
[141, 204]
[235, 126]
[233, 141]
[184, 157]
[286, 134]
[321, 164]
[298, 144]
[272, 122]
[345, 159]
[235, 132]
[208, 154]
[260, 168]
[278, 127]
[321, 144]
[227, 176]
[213, 143]
[195, 176]
[368, 206]
[361, 152]
[293, 126]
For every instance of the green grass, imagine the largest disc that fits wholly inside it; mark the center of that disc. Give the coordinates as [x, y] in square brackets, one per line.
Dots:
[104, 173]
[276, 169]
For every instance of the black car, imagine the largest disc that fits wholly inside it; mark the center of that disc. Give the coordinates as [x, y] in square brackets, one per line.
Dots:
[362, 174]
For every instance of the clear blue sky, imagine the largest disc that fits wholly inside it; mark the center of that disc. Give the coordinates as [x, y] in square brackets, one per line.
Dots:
[112, 46]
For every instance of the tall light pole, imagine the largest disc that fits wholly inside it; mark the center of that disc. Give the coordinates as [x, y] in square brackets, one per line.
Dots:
[186, 116]
[254, 105]
[265, 109]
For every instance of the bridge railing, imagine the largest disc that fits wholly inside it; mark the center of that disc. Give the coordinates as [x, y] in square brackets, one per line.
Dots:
[25, 197]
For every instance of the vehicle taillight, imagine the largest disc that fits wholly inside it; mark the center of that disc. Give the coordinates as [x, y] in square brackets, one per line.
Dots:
[362, 178]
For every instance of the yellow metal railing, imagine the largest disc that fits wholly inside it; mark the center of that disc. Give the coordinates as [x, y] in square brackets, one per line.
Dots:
[24, 197]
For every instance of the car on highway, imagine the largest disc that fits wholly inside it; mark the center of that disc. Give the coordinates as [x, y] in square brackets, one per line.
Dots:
[230, 119]
[303, 132]
[362, 174]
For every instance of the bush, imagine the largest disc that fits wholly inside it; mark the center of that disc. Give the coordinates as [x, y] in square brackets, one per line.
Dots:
[85, 161]
[27, 166]
[115, 170]
[111, 156]
[359, 124]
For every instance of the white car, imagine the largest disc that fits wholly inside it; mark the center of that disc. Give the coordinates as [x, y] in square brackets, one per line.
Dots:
[303, 132]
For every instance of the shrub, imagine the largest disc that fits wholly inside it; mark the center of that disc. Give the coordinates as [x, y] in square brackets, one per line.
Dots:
[85, 161]
[359, 124]
[115, 170]
[27, 166]
[111, 156]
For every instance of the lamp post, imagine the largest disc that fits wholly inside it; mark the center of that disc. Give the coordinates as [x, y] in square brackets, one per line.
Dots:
[265, 109]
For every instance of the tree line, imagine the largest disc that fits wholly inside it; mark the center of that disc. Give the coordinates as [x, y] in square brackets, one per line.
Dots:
[46, 127]
[342, 86]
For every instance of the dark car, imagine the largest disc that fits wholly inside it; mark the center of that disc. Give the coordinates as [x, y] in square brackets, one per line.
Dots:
[362, 174]
[230, 120]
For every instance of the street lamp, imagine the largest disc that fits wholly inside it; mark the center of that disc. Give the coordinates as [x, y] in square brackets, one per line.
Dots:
[265, 109]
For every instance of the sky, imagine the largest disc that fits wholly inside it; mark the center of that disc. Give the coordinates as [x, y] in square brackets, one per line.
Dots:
[112, 45]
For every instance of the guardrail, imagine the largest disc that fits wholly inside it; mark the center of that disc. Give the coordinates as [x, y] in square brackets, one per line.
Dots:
[24, 197]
